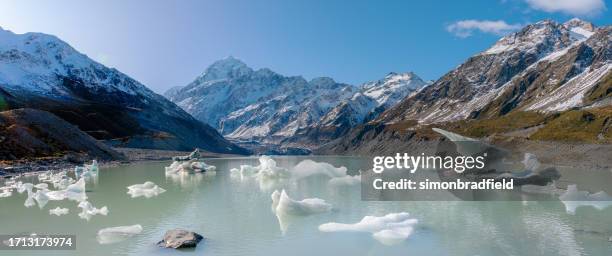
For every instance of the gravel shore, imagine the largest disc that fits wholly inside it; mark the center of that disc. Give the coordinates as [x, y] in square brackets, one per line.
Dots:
[69, 161]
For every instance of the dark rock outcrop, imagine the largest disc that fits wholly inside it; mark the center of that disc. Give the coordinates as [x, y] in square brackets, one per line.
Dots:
[180, 238]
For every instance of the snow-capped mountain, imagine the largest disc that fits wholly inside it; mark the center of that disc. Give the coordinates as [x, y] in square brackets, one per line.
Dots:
[41, 71]
[248, 104]
[366, 104]
[546, 66]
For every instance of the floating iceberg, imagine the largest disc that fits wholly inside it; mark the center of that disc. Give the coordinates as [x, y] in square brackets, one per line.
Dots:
[345, 181]
[41, 186]
[195, 155]
[117, 234]
[308, 168]
[531, 162]
[147, 189]
[390, 229]
[6, 192]
[23, 187]
[58, 211]
[267, 173]
[87, 170]
[573, 198]
[191, 166]
[283, 204]
[29, 202]
[87, 210]
[41, 198]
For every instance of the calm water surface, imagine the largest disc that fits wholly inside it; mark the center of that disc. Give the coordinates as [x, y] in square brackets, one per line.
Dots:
[235, 217]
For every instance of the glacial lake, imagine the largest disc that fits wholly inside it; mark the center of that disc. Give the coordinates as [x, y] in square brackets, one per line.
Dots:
[235, 216]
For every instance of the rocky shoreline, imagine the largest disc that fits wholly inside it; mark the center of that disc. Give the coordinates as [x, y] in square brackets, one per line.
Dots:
[69, 161]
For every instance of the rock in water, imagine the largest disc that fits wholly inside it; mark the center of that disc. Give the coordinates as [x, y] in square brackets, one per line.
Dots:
[180, 238]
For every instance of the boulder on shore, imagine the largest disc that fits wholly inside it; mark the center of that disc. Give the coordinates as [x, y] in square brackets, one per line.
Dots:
[180, 238]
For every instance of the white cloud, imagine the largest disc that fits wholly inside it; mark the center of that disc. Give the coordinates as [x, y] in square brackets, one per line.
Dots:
[465, 28]
[573, 7]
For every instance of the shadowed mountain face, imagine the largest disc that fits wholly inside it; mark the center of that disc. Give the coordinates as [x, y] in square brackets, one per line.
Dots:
[41, 71]
[34, 133]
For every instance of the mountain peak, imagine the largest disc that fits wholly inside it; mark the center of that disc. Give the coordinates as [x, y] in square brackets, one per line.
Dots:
[578, 23]
[226, 68]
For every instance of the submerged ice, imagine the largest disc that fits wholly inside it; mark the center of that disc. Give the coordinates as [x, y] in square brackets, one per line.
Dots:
[58, 211]
[390, 229]
[117, 234]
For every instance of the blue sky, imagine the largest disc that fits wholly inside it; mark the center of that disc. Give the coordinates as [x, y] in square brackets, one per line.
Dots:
[168, 43]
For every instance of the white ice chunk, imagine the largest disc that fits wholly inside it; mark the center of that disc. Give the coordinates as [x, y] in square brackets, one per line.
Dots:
[41, 198]
[22, 187]
[531, 162]
[190, 166]
[345, 181]
[117, 234]
[29, 202]
[390, 229]
[42, 186]
[58, 211]
[88, 210]
[308, 168]
[573, 198]
[283, 204]
[6, 192]
[147, 189]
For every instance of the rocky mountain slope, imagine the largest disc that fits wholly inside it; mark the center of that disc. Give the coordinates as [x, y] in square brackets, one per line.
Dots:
[264, 106]
[545, 66]
[26, 133]
[43, 72]
[526, 83]
[366, 104]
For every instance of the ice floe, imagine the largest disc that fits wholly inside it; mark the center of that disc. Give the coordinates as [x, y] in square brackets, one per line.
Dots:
[29, 202]
[283, 204]
[195, 155]
[190, 166]
[58, 211]
[189, 163]
[87, 170]
[6, 192]
[531, 162]
[147, 189]
[41, 198]
[88, 210]
[117, 234]
[345, 180]
[308, 168]
[574, 198]
[390, 229]
[270, 175]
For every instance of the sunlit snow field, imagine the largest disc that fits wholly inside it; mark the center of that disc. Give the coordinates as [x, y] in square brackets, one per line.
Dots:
[235, 216]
